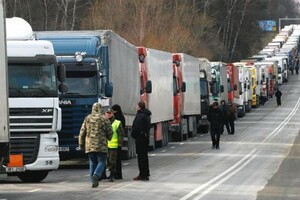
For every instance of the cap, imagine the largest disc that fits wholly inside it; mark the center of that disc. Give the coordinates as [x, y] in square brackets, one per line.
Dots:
[109, 111]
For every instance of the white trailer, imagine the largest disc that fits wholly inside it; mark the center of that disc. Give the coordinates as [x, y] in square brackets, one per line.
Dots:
[191, 104]
[124, 73]
[4, 114]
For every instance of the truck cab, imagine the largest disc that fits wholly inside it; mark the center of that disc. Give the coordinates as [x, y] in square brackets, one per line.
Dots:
[34, 79]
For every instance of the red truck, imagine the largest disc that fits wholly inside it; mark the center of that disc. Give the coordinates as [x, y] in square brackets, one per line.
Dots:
[156, 89]
[187, 97]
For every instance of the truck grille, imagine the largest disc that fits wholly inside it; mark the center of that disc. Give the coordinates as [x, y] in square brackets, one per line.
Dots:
[72, 118]
[28, 145]
[31, 119]
[26, 125]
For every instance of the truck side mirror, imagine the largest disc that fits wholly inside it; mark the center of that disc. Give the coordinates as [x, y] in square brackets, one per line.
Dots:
[148, 87]
[109, 89]
[222, 88]
[183, 87]
[63, 87]
[61, 72]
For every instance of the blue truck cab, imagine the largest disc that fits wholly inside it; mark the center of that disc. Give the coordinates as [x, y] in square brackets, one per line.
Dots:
[87, 78]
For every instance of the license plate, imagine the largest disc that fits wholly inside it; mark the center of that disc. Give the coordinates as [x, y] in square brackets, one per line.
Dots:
[15, 169]
[64, 149]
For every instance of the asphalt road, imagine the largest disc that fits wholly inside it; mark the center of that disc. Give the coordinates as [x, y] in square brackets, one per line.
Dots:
[261, 161]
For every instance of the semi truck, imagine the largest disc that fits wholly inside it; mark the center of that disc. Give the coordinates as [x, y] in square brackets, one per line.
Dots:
[266, 82]
[34, 113]
[234, 88]
[157, 85]
[110, 65]
[187, 104]
[205, 80]
[4, 114]
[245, 95]
[219, 83]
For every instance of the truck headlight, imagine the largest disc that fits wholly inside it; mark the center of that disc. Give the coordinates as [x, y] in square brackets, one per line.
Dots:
[51, 148]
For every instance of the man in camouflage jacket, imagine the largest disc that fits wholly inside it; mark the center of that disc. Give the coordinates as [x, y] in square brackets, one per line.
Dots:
[95, 131]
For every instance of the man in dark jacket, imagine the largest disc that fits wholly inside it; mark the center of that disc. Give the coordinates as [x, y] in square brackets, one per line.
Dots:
[278, 97]
[215, 117]
[224, 109]
[140, 132]
[116, 109]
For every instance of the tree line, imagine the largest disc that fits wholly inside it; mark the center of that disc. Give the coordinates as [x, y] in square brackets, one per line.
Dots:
[225, 30]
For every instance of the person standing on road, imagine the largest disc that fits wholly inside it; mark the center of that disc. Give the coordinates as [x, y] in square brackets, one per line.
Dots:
[140, 132]
[113, 144]
[95, 131]
[224, 109]
[278, 95]
[117, 111]
[215, 117]
[297, 65]
[231, 117]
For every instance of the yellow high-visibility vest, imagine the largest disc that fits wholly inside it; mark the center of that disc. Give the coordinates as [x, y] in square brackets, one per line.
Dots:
[113, 143]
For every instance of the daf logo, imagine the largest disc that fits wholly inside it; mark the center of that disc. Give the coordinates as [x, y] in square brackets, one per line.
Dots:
[65, 102]
[46, 110]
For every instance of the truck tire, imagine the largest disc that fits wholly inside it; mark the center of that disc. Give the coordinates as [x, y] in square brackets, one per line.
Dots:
[165, 134]
[178, 136]
[33, 176]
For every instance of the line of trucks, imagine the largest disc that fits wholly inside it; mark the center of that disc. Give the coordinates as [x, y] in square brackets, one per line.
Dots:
[40, 125]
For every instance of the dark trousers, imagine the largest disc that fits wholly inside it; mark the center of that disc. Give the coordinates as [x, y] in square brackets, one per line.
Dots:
[142, 155]
[278, 99]
[119, 163]
[215, 137]
[112, 160]
[231, 123]
[225, 122]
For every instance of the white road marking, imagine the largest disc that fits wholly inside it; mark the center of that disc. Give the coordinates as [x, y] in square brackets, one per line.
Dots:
[218, 180]
[228, 173]
[283, 123]
[34, 190]
[163, 151]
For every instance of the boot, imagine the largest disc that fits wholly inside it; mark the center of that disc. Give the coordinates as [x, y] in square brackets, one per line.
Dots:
[112, 176]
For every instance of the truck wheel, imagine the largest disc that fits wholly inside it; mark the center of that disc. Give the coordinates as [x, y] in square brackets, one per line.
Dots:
[165, 134]
[33, 176]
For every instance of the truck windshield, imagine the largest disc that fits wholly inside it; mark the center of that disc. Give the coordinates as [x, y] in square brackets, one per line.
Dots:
[81, 83]
[279, 70]
[204, 88]
[32, 80]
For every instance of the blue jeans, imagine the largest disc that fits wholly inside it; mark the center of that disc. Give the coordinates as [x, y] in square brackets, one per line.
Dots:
[97, 163]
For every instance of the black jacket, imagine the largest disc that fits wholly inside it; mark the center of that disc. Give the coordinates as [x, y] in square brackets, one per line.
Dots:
[141, 124]
[278, 94]
[215, 117]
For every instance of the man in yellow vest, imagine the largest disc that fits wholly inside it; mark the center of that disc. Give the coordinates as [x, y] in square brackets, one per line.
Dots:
[114, 143]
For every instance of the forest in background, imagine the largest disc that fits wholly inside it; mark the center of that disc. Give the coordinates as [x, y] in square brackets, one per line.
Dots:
[225, 30]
